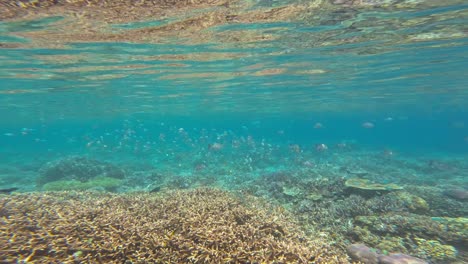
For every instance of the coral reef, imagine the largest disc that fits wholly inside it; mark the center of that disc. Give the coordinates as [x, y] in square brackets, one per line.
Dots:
[367, 255]
[76, 168]
[424, 220]
[197, 226]
[105, 183]
[418, 225]
[362, 212]
[434, 250]
[398, 258]
[439, 203]
[413, 234]
[365, 184]
[457, 193]
[413, 202]
[362, 253]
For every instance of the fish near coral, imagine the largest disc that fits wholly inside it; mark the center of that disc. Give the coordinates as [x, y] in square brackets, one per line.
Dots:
[321, 147]
[8, 190]
[215, 146]
[457, 193]
[295, 148]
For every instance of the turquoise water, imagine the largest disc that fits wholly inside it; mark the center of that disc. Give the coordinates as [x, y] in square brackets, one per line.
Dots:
[375, 90]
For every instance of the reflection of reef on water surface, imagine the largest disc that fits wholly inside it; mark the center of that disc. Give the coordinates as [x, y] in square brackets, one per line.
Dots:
[265, 44]
[322, 23]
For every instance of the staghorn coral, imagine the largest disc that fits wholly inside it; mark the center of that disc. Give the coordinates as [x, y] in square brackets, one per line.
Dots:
[198, 226]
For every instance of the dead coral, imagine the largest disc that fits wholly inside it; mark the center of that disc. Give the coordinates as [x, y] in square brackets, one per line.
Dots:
[198, 226]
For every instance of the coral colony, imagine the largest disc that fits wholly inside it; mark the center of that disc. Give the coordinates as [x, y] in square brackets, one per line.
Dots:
[231, 131]
[320, 212]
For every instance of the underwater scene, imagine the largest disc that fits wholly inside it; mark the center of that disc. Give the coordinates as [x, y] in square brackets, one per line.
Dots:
[234, 131]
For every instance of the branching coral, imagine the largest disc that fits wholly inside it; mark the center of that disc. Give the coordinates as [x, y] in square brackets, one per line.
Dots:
[198, 226]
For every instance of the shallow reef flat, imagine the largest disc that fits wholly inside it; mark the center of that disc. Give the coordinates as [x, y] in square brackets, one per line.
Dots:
[196, 226]
[293, 207]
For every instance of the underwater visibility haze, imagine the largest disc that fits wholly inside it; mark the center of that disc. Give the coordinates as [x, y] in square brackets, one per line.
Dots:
[232, 131]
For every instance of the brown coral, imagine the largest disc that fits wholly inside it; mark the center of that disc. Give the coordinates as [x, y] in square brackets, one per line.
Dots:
[198, 226]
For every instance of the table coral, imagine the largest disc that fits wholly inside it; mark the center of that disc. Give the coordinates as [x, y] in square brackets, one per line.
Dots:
[364, 184]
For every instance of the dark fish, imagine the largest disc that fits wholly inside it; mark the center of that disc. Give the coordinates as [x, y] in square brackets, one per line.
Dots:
[8, 190]
[155, 190]
[357, 173]
[457, 193]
